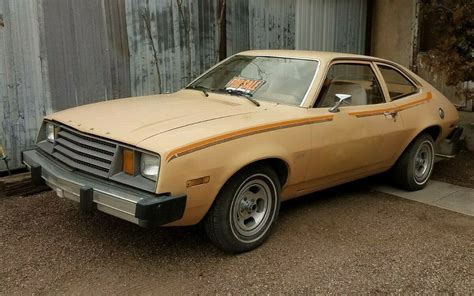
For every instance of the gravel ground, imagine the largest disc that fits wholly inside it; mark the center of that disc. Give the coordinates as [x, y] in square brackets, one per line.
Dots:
[459, 170]
[345, 240]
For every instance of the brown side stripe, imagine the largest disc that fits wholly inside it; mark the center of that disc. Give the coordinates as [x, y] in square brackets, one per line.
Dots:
[244, 133]
[397, 109]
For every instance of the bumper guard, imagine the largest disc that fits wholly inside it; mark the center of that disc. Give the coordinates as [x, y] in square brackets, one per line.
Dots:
[92, 193]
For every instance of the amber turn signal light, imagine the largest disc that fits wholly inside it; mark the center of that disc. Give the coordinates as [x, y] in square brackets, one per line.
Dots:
[128, 167]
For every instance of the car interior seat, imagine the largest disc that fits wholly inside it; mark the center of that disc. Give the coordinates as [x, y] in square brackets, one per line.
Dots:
[358, 93]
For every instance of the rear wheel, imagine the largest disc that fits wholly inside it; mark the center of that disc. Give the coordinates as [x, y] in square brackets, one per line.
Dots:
[245, 210]
[413, 170]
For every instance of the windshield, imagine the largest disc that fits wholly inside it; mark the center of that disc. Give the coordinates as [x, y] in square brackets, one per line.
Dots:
[274, 79]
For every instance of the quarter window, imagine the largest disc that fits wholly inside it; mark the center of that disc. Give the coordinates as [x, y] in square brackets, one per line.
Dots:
[357, 80]
[398, 85]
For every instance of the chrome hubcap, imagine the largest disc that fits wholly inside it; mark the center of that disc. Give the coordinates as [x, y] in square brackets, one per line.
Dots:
[252, 207]
[423, 162]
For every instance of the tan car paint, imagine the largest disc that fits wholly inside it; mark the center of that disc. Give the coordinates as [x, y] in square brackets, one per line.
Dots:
[216, 136]
[133, 120]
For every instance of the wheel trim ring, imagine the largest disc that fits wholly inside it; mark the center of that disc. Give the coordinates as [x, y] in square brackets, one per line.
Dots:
[265, 224]
[425, 153]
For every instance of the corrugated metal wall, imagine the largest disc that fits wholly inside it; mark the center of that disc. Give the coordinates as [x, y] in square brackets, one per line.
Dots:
[56, 54]
[265, 24]
[22, 100]
[85, 46]
[170, 44]
[331, 25]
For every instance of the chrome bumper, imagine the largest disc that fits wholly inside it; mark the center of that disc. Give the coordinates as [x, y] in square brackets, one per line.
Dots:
[93, 193]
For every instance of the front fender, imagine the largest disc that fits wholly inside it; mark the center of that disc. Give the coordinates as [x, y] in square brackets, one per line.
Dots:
[220, 162]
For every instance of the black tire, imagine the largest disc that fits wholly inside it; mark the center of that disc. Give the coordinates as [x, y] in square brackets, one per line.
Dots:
[409, 173]
[253, 193]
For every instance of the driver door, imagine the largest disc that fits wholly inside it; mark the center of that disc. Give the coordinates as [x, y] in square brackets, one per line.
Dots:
[362, 137]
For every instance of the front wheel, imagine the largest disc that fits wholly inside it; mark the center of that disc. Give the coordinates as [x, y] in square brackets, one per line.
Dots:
[413, 170]
[245, 210]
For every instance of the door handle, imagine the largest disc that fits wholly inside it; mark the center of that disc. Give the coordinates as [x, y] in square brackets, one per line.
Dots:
[390, 113]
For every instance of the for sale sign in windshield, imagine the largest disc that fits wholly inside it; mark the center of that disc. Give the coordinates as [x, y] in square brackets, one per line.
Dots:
[244, 84]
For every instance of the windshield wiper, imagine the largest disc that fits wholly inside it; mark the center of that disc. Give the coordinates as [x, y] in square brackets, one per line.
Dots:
[204, 89]
[246, 95]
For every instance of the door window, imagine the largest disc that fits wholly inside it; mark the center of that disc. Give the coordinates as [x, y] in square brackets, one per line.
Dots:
[398, 85]
[357, 80]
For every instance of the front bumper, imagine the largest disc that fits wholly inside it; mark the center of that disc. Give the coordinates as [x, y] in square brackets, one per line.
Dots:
[92, 193]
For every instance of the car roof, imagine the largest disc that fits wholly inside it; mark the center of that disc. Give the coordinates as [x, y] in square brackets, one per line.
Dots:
[322, 56]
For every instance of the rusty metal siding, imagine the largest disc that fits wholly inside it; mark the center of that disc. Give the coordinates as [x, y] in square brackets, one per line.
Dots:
[338, 25]
[117, 48]
[238, 31]
[57, 54]
[86, 50]
[170, 46]
[266, 24]
[22, 105]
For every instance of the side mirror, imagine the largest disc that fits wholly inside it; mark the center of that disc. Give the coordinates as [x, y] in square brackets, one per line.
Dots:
[342, 98]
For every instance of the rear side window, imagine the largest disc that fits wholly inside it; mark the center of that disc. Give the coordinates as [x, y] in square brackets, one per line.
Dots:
[398, 85]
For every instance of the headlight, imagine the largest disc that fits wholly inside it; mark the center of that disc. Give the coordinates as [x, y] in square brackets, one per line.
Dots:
[50, 132]
[150, 166]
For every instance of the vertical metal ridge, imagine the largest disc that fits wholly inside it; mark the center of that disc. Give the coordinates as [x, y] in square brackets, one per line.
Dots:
[171, 40]
[265, 24]
[22, 93]
[337, 25]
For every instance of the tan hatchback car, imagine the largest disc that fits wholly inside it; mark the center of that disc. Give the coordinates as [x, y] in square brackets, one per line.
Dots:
[259, 128]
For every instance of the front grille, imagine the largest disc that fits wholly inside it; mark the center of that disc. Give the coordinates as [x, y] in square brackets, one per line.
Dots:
[84, 152]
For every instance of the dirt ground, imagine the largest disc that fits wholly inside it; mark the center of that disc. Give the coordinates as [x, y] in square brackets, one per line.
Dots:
[459, 171]
[345, 240]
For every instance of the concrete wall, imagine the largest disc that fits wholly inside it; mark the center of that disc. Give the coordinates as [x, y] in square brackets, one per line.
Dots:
[393, 29]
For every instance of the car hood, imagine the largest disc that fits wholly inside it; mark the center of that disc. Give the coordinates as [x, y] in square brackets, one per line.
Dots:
[134, 120]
